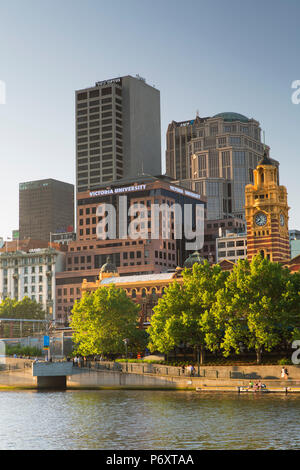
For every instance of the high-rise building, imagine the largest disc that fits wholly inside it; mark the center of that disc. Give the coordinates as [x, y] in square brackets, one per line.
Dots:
[215, 156]
[45, 206]
[118, 131]
[267, 214]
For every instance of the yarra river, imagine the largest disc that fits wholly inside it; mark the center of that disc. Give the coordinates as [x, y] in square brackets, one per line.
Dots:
[147, 420]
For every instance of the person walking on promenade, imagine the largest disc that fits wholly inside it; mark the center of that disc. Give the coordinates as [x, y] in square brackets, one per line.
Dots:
[284, 373]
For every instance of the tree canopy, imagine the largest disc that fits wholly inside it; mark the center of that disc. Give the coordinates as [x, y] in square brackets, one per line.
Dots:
[183, 313]
[259, 306]
[256, 306]
[25, 308]
[103, 319]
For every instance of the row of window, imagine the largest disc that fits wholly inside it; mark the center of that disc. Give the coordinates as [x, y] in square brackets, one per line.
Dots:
[29, 270]
[232, 244]
[103, 101]
[225, 254]
[96, 93]
[26, 261]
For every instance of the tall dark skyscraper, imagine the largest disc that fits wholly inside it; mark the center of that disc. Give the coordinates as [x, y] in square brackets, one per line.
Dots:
[118, 132]
[45, 206]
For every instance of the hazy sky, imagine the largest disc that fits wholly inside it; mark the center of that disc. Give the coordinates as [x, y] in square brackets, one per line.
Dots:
[207, 56]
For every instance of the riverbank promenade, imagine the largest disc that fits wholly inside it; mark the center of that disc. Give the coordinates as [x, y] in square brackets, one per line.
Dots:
[22, 373]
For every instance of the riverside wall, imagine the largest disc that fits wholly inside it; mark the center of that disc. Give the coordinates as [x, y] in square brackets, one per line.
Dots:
[18, 373]
[15, 372]
[127, 375]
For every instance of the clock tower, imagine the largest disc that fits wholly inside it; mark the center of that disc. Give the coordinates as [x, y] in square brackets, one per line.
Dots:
[266, 212]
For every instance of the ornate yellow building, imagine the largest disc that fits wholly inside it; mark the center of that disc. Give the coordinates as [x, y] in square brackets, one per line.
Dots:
[145, 289]
[266, 212]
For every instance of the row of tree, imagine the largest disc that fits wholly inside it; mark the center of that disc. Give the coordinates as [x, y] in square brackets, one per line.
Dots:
[25, 309]
[256, 306]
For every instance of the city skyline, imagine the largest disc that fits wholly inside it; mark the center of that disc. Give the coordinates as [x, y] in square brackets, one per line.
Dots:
[245, 66]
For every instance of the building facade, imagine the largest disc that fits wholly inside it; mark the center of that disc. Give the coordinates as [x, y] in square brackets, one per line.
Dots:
[267, 214]
[294, 242]
[45, 206]
[143, 255]
[215, 229]
[118, 131]
[215, 157]
[31, 274]
[231, 247]
[63, 238]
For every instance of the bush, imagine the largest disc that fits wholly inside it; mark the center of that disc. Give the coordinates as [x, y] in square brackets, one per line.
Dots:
[143, 361]
[285, 362]
[23, 351]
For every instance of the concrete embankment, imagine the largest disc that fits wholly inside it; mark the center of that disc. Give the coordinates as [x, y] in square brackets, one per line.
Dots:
[155, 376]
[18, 373]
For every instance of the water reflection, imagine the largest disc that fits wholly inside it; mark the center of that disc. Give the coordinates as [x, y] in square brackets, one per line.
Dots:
[147, 420]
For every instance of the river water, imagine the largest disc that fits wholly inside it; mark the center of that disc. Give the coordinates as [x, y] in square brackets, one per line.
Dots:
[154, 420]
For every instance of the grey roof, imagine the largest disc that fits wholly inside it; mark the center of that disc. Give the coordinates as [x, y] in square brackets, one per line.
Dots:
[229, 116]
[138, 278]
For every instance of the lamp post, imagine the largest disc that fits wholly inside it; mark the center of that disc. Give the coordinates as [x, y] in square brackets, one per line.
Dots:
[126, 343]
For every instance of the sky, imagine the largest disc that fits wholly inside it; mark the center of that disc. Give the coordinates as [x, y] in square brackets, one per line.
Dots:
[209, 57]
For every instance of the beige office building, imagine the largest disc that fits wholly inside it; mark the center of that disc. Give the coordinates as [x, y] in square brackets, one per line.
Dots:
[118, 131]
[215, 157]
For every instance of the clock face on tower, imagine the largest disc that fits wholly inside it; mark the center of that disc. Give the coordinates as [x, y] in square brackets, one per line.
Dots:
[282, 220]
[260, 219]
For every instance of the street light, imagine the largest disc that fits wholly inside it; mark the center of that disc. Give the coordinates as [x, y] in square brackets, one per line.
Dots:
[126, 341]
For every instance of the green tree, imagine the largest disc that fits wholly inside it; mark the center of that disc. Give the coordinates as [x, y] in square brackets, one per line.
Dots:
[183, 313]
[25, 309]
[258, 307]
[102, 320]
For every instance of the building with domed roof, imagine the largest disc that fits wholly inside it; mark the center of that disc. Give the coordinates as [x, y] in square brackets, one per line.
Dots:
[194, 258]
[145, 289]
[216, 157]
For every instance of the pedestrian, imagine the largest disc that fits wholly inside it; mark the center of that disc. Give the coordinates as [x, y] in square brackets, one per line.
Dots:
[259, 385]
[286, 374]
[283, 373]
